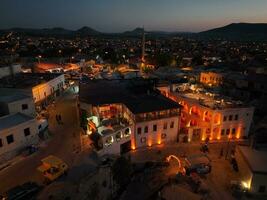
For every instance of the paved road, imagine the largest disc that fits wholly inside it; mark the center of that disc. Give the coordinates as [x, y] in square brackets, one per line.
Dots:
[218, 180]
[64, 143]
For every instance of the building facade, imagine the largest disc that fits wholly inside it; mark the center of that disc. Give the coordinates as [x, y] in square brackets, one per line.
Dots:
[211, 78]
[205, 115]
[17, 131]
[12, 104]
[149, 117]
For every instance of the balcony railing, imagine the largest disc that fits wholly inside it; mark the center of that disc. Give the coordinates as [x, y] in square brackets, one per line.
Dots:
[150, 117]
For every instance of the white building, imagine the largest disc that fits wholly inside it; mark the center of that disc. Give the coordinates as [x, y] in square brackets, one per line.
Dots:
[207, 115]
[17, 131]
[12, 104]
[40, 86]
[9, 70]
[149, 117]
[253, 169]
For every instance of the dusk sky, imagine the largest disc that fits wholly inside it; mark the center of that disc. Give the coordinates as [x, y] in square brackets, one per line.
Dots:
[121, 15]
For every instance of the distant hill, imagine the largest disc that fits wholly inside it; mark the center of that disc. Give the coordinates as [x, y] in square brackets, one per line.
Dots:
[238, 31]
[41, 32]
[84, 31]
[136, 31]
[87, 31]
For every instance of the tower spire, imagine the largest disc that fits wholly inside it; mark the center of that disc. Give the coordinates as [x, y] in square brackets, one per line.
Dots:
[143, 46]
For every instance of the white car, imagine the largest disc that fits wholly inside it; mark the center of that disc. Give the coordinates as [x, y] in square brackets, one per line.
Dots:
[42, 125]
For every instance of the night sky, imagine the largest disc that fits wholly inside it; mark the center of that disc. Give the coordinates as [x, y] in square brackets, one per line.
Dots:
[121, 15]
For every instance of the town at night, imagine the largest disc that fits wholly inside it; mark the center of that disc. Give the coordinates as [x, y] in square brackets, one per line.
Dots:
[133, 100]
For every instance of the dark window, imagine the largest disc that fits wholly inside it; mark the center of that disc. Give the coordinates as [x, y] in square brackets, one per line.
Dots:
[24, 106]
[165, 125]
[247, 114]
[228, 131]
[146, 129]
[9, 139]
[1, 144]
[163, 136]
[236, 117]
[230, 117]
[139, 130]
[155, 127]
[224, 118]
[262, 189]
[143, 140]
[233, 131]
[172, 124]
[27, 131]
[222, 132]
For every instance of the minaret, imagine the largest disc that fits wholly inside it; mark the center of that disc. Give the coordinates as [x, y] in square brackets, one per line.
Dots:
[143, 46]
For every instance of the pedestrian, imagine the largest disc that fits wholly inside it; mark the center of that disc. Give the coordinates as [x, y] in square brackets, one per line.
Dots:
[57, 118]
[221, 153]
[60, 119]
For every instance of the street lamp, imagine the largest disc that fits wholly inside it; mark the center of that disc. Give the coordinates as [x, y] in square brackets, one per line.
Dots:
[71, 58]
[59, 52]
[39, 58]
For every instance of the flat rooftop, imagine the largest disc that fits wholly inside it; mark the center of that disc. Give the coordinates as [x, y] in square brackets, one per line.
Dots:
[137, 94]
[256, 160]
[13, 120]
[13, 98]
[210, 100]
[26, 80]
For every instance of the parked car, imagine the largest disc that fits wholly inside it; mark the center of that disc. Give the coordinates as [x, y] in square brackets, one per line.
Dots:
[26, 191]
[42, 125]
[52, 168]
[201, 168]
[199, 164]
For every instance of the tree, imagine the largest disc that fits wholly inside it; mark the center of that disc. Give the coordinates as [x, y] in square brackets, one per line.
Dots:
[121, 170]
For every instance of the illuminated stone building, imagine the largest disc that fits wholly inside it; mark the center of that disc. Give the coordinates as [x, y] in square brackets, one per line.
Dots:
[128, 114]
[207, 115]
[211, 78]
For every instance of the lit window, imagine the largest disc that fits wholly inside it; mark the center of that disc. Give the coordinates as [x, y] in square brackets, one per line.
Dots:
[27, 132]
[127, 132]
[9, 139]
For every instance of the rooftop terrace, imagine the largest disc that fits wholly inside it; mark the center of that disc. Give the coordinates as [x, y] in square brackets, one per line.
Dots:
[26, 80]
[210, 100]
[138, 95]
